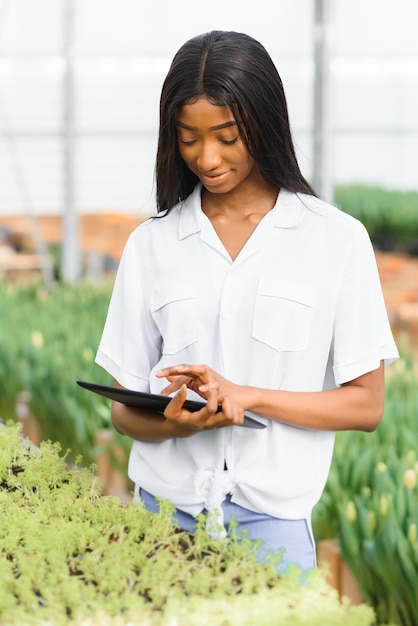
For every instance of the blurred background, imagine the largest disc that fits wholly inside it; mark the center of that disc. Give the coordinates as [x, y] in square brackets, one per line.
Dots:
[84, 76]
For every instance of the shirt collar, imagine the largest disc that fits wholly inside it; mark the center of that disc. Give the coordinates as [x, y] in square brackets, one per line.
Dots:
[289, 210]
[191, 214]
[287, 213]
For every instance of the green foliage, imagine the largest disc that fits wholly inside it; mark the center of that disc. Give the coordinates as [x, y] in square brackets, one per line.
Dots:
[48, 339]
[371, 502]
[71, 556]
[382, 211]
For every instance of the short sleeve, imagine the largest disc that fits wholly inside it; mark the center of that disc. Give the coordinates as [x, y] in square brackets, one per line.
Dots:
[130, 343]
[362, 333]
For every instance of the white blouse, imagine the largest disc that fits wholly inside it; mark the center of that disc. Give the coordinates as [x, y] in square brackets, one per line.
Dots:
[299, 309]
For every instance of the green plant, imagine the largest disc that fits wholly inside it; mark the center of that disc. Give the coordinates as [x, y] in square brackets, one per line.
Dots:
[71, 556]
[382, 211]
[48, 339]
[371, 503]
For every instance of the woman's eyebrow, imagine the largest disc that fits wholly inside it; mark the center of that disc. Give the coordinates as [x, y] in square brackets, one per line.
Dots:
[219, 127]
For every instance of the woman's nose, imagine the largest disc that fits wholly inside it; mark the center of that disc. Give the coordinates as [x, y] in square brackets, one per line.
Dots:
[208, 157]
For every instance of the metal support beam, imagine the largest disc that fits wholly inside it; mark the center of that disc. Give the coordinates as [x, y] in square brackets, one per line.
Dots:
[70, 265]
[322, 131]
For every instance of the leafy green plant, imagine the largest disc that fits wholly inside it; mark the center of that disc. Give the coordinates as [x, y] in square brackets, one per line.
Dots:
[71, 556]
[382, 211]
[371, 502]
[48, 339]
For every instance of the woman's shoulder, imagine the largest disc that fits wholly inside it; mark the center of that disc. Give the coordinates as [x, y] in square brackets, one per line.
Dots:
[157, 222]
[159, 228]
[172, 215]
[319, 210]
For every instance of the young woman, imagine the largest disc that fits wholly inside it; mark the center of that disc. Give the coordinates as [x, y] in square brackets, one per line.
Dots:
[248, 291]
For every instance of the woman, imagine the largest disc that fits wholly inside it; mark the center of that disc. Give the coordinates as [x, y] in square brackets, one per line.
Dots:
[251, 293]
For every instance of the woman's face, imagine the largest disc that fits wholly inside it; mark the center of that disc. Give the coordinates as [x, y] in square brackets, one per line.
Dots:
[212, 148]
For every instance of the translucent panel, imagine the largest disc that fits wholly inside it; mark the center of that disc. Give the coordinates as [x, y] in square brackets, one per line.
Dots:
[160, 27]
[375, 28]
[388, 160]
[31, 95]
[29, 25]
[31, 176]
[116, 174]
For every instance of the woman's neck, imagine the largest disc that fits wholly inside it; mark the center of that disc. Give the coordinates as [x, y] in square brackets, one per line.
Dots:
[235, 216]
[244, 202]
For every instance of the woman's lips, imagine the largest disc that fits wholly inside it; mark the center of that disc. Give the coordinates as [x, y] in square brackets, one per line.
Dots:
[213, 179]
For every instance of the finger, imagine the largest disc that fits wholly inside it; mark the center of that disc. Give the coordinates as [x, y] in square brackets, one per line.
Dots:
[213, 399]
[232, 411]
[175, 385]
[195, 371]
[171, 370]
[204, 388]
[174, 407]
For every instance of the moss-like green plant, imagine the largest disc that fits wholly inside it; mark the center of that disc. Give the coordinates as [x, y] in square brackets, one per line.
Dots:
[69, 556]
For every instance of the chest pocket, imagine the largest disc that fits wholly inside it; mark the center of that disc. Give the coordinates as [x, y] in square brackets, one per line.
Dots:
[283, 314]
[174, 310]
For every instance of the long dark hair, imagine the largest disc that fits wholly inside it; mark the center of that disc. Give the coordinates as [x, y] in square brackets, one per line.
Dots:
[235, 70]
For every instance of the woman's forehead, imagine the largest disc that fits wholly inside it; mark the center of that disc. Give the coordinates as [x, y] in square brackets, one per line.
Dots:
[204, 112]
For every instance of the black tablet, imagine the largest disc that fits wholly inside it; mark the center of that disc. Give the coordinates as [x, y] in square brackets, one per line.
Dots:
[151, 401]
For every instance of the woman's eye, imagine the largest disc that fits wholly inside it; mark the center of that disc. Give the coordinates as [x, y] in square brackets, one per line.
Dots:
[187, 142]
[229, 142]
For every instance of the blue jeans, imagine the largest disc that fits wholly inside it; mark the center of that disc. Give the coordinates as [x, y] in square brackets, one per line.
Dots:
[292, 538]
